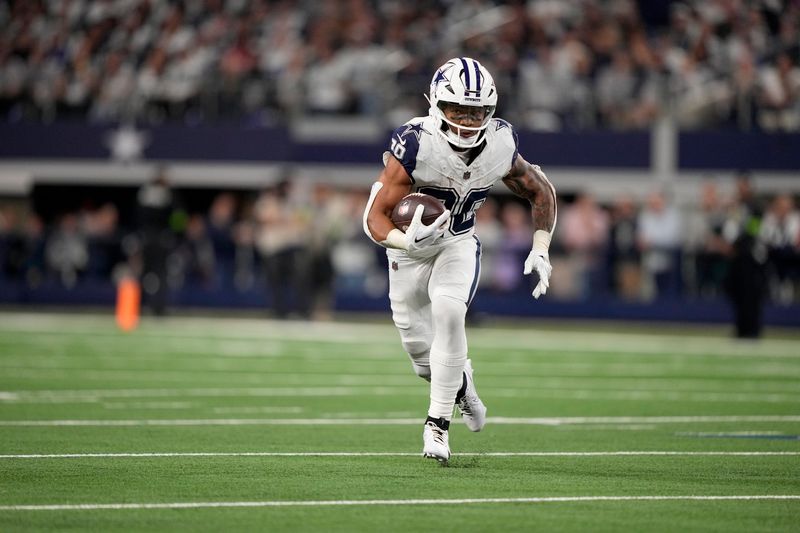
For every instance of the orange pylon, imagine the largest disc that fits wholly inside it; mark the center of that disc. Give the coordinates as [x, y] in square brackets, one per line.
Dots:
[128, 303]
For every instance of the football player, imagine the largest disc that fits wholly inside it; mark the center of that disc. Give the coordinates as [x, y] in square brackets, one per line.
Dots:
[456, 154]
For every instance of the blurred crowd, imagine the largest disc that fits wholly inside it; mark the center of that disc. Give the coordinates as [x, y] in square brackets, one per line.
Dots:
[297, 244]
[558, 64]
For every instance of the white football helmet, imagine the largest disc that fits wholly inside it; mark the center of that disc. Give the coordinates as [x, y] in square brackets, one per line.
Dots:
[462, 81]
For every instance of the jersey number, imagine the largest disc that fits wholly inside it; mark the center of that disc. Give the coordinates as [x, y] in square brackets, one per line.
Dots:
[462, 210]
[398, 149]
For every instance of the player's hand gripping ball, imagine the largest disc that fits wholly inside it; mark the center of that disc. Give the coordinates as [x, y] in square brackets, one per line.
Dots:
[404, 210]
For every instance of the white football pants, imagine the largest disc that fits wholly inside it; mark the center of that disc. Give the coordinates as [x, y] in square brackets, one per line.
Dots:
[429, 299]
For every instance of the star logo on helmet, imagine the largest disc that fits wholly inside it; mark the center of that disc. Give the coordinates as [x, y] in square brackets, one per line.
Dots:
[439, 77]
[416, 129]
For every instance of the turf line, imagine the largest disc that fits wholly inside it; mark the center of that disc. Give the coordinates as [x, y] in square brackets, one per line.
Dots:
[540, 421]
[339, 503]
[386, 454]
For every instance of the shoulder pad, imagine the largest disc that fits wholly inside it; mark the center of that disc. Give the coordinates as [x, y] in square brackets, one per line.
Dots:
[404, 143]
[504, 130]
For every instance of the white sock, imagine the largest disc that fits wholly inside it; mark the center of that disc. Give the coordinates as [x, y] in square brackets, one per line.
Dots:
[448, 355]
[446, 378]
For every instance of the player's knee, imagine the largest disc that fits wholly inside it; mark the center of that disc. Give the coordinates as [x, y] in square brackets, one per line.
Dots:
[448, 313]
[417, 349]
[419, 352]
[423, 371]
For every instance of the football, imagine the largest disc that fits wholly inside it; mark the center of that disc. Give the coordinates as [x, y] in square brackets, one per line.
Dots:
[403, 212]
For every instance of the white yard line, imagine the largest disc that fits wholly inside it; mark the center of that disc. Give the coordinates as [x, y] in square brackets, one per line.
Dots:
[340, 503]
[148, 455]
[539, 388]
[536, 421]
[93, 395]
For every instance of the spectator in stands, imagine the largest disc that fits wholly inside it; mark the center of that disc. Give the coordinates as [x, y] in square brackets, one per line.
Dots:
[183, 78]
[584, 232]
[24, 260]
[219, 227]
[280, 239]
[8, 226]
[616, 88]
[780, 94]
[327, 228]
[360, 268]
[516, 222]
[8, 241]
[659, 241]
[13, 82]
[115, 90]
[236, 66]
[744, 211]
[155, 203]
[196, 255]
[746, 286]
[150, 94]
[327, 81]
[66, 251]
[780, 232]
[204, 59]
[547, 105]
[744, 89]
[623, 251]
[704, 243]
[103, 236]
[245, 257]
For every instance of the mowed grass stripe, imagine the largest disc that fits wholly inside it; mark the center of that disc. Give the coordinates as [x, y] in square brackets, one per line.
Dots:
[337, 503]
[587, 394]
[238, 330]
[120, 366]
[148, 455]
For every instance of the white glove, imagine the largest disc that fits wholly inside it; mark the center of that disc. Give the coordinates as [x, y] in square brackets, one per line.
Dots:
[540, 262]
[419, 236]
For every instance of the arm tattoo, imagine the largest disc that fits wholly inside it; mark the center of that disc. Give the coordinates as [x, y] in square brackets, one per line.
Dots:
[529, 182]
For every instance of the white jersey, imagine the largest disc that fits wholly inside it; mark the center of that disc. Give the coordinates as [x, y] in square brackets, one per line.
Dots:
[436, 169]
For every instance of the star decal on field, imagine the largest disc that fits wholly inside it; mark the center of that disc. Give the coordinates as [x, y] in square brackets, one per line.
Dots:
[416, 129]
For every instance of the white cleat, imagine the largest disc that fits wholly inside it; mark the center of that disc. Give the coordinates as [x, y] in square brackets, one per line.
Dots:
[472, 409]
[435, 443]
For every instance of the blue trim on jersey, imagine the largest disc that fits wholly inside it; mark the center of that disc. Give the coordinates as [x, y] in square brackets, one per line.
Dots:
[476, 276]
[505, 124]
[404, 145]
[516, 146]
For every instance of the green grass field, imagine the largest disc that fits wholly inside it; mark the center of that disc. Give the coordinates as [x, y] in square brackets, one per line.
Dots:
[252, 425]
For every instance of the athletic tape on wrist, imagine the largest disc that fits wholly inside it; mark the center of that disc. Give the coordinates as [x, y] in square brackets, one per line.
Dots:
[541, 241]
[395, 239]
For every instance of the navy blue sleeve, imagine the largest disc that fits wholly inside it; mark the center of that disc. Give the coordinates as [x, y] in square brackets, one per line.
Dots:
[405, 146]
[516, 146]
[505, 124]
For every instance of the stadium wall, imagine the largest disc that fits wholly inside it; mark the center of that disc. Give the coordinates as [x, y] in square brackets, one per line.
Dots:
[601, 162]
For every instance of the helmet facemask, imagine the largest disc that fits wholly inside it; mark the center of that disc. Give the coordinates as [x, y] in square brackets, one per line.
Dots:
[463, 89]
